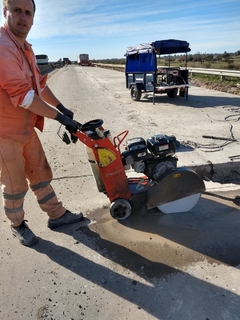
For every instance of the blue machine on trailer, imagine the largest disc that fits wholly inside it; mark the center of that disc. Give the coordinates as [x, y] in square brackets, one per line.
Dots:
[143, 74]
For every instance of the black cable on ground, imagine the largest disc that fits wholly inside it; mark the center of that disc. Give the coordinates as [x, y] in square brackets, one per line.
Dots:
[235, 200]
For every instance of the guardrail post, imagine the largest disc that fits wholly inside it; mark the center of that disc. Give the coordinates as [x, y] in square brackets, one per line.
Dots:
[222, 78]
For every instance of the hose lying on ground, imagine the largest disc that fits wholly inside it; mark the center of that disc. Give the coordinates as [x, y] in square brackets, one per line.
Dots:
[235, 200]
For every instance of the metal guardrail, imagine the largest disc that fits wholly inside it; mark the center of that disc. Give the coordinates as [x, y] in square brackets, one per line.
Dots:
[220, 72]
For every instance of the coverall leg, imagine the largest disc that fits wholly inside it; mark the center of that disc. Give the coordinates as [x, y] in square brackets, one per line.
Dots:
[21, 165]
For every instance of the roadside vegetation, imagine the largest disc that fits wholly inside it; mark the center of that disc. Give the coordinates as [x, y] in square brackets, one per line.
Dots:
[227, 61]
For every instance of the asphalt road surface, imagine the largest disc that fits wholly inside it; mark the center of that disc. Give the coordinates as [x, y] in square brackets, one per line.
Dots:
[180, 266]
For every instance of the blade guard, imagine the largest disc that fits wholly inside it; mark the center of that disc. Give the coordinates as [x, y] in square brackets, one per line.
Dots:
[176, 191]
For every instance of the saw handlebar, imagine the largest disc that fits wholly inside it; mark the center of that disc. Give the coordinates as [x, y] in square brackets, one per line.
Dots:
[92, 125]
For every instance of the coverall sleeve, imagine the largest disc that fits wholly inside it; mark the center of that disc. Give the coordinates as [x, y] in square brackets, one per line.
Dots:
[15, 77]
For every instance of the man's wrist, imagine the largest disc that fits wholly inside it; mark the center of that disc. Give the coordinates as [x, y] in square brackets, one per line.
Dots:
[60, 107]
[60, 117]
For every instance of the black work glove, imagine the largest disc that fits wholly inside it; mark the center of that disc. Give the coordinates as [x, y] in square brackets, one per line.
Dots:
[70, 125]
[74, 139]
[65, 111]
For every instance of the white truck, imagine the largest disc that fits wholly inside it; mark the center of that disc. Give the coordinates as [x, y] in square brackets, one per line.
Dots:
[41, 59]
[83, 59]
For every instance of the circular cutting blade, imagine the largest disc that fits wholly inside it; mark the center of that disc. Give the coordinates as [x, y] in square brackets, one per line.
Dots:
[181, 205]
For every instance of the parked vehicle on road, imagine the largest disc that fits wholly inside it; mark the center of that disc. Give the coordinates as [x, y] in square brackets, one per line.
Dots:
[66, 61]
[143, 74]
[83, 59]
[41, 59]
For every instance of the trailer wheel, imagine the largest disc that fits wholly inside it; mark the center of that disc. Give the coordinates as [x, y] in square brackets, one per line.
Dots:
[120, 209]
[135, 93]
[173, 93]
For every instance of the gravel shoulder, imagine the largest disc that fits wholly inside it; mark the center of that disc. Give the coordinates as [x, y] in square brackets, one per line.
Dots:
[222, 87]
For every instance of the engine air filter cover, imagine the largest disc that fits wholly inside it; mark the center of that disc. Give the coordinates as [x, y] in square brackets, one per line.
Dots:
[137, 148]
[161, 145]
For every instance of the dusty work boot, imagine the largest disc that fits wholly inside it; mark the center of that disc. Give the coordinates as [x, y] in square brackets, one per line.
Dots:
[25, 236]
[67, 218]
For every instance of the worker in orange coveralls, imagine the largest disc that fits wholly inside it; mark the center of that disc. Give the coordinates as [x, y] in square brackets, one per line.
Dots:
[25, 99]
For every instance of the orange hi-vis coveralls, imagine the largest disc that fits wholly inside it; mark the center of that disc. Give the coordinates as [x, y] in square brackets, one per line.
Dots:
[22, 159]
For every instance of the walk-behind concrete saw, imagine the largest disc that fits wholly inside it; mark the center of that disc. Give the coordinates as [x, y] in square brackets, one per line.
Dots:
[144, 174]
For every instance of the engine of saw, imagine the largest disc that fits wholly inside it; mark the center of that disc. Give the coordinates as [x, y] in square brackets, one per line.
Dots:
[152, 157]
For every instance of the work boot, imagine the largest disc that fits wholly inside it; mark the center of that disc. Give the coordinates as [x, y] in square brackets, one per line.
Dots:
[25, 236]
[67, 218]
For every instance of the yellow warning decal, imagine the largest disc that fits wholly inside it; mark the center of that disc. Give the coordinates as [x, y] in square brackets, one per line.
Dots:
[105, 156]
[176, 175]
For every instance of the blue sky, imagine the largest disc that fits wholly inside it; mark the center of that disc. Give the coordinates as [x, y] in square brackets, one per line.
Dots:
[105, 28]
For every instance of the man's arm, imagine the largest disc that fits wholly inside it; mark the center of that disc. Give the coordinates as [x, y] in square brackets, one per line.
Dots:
[49, 97]
[41, 108]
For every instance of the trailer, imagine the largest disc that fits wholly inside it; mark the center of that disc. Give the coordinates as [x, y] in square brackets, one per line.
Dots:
[143, 74]
[83, 59]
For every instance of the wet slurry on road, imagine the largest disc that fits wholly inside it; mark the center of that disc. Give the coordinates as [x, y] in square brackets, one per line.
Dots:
[209, 231]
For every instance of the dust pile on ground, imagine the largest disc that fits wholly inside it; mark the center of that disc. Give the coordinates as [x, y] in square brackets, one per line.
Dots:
[223, 87]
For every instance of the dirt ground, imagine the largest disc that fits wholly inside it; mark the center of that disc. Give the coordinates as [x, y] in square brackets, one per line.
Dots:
[223, 87]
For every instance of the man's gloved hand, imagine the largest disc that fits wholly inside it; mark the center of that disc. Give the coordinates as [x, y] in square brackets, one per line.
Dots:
[65, 111]
[74, 139]
[71, 126]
